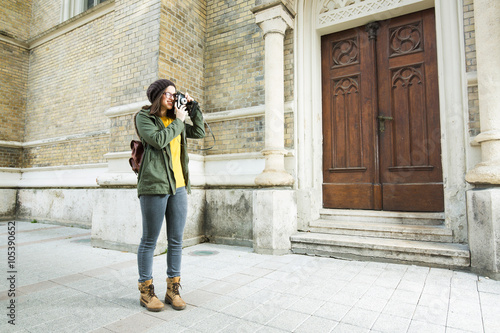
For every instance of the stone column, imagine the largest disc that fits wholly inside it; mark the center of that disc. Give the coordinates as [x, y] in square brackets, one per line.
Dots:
[487, 22]
[483, 203]
[274, 19]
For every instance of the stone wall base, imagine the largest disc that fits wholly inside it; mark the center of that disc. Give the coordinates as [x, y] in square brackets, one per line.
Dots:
[274, 220]
[483, 207]
[262, 218]
[117, 221]
[7, 204]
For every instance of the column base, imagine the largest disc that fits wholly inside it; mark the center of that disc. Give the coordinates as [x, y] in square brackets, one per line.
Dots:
[274, 220]
[484, 173]
[483, 215]
[274, 178]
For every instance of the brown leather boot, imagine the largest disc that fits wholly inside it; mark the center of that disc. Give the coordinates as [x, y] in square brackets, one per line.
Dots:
[148, 298]
[172, 296]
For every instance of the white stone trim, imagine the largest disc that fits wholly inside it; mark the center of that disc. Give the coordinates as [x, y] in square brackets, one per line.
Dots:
[14, 42]
[63, 139]
[66, 176]
[471, 79]
[51, 141]
[11, 144]
[126, 109]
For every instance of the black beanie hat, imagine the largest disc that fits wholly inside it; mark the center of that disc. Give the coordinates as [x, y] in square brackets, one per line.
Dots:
[157, 87]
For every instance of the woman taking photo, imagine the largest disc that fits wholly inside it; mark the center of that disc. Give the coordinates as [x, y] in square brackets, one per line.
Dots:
[163, 185]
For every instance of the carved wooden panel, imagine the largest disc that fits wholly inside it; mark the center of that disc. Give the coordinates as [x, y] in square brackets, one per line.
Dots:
[410, 125]
[346, 126]
[345, 52]
[406, 39]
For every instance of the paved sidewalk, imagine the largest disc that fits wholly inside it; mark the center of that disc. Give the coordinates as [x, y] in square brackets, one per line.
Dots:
[62, 284]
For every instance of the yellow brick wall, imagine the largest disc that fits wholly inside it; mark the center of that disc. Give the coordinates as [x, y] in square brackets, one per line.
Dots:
[69, 89]
[244, 135]
[214, 50]
[234, 76]
[16, 16]
[74, 152]
[182, 45]
[234, 57]
[135, 40]
[10, 157]
[470, 58]
[14, 63]
[45, 14]
[14, 71]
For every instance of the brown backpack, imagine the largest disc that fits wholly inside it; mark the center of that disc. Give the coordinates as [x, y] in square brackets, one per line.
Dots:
[137, 154]
[137, 151]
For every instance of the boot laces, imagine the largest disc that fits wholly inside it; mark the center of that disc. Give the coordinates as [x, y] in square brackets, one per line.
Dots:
[175, 288]
[151, 291]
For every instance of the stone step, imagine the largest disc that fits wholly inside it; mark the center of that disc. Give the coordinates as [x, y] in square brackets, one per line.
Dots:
[448, 255]
[431, 233]
[360, 216]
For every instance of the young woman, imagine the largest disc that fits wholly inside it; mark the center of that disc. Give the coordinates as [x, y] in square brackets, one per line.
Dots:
[163, 185]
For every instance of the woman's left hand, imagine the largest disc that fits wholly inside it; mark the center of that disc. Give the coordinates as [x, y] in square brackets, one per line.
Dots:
[189, 98]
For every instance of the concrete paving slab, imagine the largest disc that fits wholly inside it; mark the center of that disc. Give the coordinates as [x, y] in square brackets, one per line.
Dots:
[63, 284]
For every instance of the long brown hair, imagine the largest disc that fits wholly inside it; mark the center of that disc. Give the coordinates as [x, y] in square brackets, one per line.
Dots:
[155, 107]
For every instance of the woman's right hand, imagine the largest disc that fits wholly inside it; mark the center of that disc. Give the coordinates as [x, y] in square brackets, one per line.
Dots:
[180, 113]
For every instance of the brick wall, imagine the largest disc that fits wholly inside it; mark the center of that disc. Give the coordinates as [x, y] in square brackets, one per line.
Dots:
[470, 58]
[234, 76]
[14, 70]
[16, 16]
[244, 135]
[234, 57]
[73, 152]
[69, 90]
[213, 49]
[14, 65]
[182, 45]
[136, 34]
[45, 14]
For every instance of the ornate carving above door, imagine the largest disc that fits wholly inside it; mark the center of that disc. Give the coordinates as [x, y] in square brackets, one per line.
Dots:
[338, 11]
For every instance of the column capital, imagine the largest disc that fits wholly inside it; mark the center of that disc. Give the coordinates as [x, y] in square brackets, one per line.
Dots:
[274, 16]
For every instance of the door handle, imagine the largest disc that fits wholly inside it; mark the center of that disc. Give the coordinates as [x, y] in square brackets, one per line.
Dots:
[381, 122]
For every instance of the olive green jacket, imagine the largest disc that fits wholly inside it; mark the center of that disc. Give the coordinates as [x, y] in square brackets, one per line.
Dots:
[156, 174]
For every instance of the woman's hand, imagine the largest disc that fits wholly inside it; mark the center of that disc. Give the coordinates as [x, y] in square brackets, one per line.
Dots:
[189, 98]
[180, 113]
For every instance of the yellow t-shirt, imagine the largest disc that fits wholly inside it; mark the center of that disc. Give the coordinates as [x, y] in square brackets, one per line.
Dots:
[175, 149]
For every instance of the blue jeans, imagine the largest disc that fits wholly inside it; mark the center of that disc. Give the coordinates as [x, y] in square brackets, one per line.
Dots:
[154, 208]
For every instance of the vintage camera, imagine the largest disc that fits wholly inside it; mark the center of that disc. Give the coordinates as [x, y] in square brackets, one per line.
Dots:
[180, 99]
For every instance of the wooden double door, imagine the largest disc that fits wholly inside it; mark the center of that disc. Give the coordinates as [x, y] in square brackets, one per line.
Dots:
[381, 131]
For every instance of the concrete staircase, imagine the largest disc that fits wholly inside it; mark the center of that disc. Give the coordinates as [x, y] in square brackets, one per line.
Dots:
[415, 238]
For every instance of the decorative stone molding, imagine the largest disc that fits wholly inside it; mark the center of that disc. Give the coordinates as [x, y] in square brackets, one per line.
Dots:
[63, 139]
[11, 144]
[13, 41]
[126, 109]
[336, 11]
[329, 5]
[51, 141]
